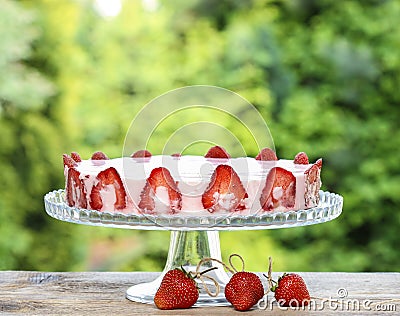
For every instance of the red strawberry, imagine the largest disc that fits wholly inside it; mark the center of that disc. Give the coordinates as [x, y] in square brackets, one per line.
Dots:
[266, 154]
[244, 290]
[68, 161]
[314, 171]
[313, 184]
[318, 163]
[160, 177]
[177, 290]
[291, 291]
[76, 157]
[280, 189]
[106, 178]
[75, 190]
[141, 154]
[99, 155]
[217, 152]
[301, 159]
[225, 191]
[176, 155]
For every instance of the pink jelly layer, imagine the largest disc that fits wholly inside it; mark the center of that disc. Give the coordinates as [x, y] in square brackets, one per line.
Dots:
[193, 175]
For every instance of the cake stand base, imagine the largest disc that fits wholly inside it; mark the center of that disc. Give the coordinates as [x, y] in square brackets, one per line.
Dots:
[186, 249]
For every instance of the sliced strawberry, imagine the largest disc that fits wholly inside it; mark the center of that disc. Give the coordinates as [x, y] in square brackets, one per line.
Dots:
[314, 171]
[217, 152]
[225, 191]
[266, 154]
[313, 184]
[160, 177]
[279, 190]
[68, 161]
[141, 154]
[301, 158]
[106, 178]
[318, 163]
[99, 155]
[76, 156]
[75, 190]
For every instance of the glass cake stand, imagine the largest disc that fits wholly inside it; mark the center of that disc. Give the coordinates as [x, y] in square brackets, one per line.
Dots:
[193, 237]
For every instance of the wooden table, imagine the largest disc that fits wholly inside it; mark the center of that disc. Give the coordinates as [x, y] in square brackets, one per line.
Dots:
[103, 293]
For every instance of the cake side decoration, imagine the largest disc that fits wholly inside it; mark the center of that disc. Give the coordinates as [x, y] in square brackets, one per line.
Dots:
[225, 191]
[313, 184]
[108, 192]
[279, 191]
[192, 185]
[160, 186]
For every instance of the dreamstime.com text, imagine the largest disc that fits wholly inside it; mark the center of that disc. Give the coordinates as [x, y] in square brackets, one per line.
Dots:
[342, 303]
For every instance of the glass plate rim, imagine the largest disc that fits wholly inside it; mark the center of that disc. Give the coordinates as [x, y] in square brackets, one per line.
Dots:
[329, 208]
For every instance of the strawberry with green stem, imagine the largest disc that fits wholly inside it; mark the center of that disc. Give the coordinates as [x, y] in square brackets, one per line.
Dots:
[290, 290]
[244, 289]
[178, 289]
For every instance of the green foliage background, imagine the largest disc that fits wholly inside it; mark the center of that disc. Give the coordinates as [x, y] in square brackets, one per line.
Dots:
[324, 75]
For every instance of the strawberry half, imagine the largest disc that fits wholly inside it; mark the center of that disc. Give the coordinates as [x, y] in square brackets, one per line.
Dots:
[314, 171]
[160, 177]
[106, 178]
[217, 152]
[318, 163]
[225, 191]
[99, 155]
[76, 156]
[313, 184]
[266, 154]
[279, 190]
[143, 153]
[75, 190]
[177, 290]
[244, 290]
[301, 159]
[68, 161]
[291, 291]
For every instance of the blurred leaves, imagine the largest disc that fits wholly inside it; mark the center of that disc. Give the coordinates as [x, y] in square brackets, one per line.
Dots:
[20, 85]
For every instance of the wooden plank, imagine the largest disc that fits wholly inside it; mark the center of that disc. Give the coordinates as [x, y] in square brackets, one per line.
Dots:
[103, 293]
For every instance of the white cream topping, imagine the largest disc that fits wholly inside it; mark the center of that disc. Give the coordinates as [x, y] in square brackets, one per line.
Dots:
[161, 200]
[224, 202]
[108, 197]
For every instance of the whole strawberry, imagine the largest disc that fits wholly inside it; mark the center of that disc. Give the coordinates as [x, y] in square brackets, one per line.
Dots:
[177, 290]
[217, 152]
[291, 291]
[301, 158]
[266, 154]
[244, 290]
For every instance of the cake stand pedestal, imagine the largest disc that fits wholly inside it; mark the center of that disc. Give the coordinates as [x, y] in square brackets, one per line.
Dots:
[186, 249]
[193, 237]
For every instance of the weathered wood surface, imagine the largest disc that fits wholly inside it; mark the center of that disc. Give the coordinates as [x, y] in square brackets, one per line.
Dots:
[103, 293]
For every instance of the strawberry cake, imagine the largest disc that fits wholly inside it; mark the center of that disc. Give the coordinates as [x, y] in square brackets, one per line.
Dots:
[192, 185]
